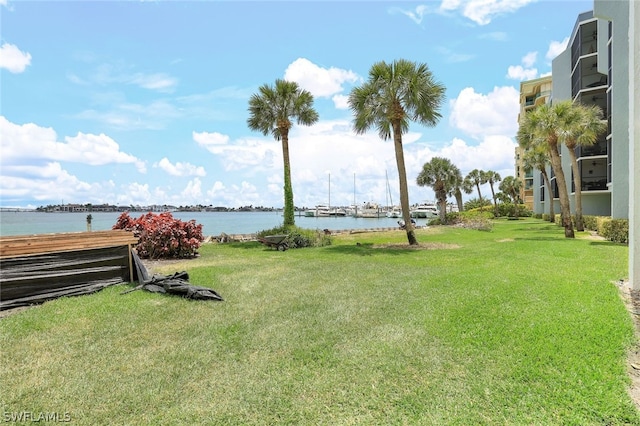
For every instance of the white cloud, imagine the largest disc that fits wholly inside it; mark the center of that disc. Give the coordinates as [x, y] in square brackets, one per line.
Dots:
[321, 82]
[526, 70]
[518, 72]
[483, 11]
[27, 142]
[211, 141]
[555, 48]
[341, 101]
[13, 59]
[416, 15]
[193, 191]
[481, 115]
[180, 169]
[159, 82]
[529, 59]
[479, 11]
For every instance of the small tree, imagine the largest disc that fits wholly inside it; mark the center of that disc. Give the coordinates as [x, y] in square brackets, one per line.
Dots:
[441, 175]
[511, 186]
[493, 177]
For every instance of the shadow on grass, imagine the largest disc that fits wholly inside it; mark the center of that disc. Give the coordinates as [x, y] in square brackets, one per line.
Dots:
[246, 245]
[368, 249]
[606, 243]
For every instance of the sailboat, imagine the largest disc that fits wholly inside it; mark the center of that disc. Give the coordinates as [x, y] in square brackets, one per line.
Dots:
[392, 211]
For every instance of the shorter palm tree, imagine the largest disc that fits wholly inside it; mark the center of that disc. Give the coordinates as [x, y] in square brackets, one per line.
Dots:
[476, 178]
[584, 128]
[543, 127]
[511, 186]
[441, 175]
[536, 158]
[493, 177]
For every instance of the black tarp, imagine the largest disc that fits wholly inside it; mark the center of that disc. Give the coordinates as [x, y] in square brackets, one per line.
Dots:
[177, 283]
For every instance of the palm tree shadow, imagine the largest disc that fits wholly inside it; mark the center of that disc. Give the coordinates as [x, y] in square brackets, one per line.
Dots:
[368, 249]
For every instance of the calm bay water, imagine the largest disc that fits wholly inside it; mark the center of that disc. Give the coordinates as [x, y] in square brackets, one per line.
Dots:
[213, 223]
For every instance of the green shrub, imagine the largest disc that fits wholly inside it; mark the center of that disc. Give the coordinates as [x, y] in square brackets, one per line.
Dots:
[475, 203]
[299, 237]
[591, 222]
[616, 230]
[509, 210]
[545, 217]
[477, 219]
[558, 219]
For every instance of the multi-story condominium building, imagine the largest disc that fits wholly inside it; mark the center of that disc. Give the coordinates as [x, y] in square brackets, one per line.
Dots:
[601, 66]
[532, 93]
[594, 70]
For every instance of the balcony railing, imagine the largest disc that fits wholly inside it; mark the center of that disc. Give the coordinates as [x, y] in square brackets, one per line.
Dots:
[599, 148]
[592, 183]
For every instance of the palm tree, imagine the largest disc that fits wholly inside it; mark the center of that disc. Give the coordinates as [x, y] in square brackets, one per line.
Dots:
[584, 130]
[536, 158]
[543, 126]
[458, 187]
[395, 94]
[511, 186]
[493, 177]
[441, 175]
[476, 178]
[271, 111]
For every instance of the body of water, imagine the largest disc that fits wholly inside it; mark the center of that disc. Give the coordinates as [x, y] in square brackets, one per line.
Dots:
[213, 223]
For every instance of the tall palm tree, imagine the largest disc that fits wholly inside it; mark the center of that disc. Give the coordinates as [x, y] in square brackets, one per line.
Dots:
[583, 130]
[272, 111]
[441, 175]
[395, 94]
[493, 177]
[511, 186]
[544, 126]
[536, 158]
[476, 178]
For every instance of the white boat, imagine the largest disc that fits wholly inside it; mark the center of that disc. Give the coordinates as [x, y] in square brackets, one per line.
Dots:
[394, 213]
[425, 211]
[322, 210]
[369, 210]
[337, 211]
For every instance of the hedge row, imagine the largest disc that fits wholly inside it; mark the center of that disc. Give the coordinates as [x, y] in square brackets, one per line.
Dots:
[616, 230]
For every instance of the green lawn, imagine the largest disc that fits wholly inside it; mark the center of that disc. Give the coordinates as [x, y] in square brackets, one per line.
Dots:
[517, 326]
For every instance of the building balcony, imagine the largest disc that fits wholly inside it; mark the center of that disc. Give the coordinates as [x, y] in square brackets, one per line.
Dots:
[595, 150]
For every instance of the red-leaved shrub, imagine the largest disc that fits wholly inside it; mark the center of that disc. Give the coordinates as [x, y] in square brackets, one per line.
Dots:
[162, 236]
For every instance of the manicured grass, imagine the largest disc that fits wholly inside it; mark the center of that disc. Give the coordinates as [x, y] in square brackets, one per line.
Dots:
[513, 326]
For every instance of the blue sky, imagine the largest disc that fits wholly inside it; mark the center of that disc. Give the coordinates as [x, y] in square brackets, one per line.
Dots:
[140, 103]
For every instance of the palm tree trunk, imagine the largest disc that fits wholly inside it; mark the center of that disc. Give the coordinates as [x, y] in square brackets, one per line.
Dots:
[577, 182]
[547, 182]
[565, 210]
[441, 195]
[404, 189]
[458, 195]
[289, 216]
[495, 203]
